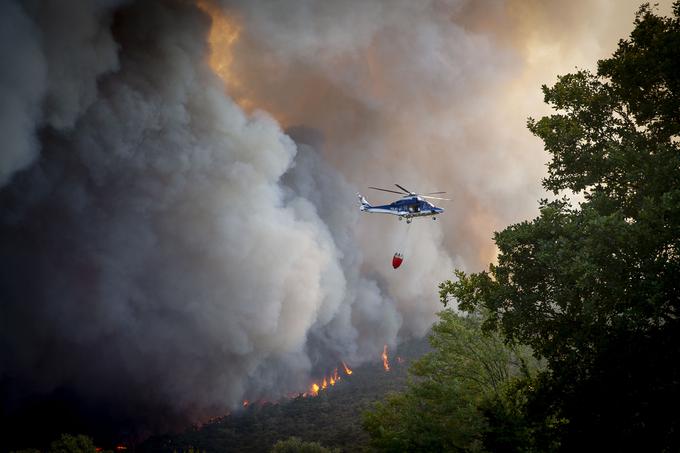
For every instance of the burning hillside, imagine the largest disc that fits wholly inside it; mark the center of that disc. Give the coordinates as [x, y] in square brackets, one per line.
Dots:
[332, 417]
[326, 382]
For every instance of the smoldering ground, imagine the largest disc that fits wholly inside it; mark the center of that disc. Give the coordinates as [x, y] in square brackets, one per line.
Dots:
[175, 237]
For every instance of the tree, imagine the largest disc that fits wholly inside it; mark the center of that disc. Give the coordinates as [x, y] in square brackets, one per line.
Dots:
[296, 445]
[594, 288]
[441, 410]
[68, 443]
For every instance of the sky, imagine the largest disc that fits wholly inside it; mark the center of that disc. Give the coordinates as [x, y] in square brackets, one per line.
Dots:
[179, 226]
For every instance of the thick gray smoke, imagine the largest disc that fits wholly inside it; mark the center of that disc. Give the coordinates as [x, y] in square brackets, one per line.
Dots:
[52, 54]
[166, 254]
[153, 258]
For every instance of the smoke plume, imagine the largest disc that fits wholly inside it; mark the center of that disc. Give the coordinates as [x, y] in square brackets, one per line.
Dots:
[178, 220]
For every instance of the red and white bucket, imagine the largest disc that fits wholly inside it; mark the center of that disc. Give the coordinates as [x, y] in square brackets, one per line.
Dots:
[397, 259]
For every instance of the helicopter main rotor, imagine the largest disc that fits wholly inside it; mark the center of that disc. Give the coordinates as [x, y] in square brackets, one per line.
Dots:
[408, 192]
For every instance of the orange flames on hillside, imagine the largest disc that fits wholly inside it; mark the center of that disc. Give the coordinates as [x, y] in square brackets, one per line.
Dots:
[329, 380]
[348, 371]
[118, 447]
[386, 362]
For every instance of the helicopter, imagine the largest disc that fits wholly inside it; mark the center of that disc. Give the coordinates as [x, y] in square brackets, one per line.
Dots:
[410, 205]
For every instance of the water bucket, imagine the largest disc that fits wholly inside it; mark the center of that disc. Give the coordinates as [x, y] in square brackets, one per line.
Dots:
[397, 260]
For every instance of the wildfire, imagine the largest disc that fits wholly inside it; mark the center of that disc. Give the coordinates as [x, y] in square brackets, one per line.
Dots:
[327, 381]
[224, 33]
[386, 362]
[348, 371]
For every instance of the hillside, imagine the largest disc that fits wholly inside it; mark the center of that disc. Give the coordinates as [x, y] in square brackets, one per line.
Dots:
[332, 418]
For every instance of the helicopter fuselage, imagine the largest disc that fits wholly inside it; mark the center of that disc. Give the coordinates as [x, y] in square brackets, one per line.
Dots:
[406, 207]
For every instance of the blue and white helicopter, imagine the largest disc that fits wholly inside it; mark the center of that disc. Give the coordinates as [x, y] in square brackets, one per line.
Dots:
[407, 207]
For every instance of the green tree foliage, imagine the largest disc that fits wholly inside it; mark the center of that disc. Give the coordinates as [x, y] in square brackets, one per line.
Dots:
[442, 408]
[595, 289]
[68, 443]
[296, 445]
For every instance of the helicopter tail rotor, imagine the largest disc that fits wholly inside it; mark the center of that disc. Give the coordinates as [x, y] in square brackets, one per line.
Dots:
[364, 203]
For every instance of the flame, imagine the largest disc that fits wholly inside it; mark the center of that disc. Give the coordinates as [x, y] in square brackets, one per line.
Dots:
[348, 371]
[246, 403]
[386, 363]
[334, 377]
[328, 380]
[121, 447]
[224, 34]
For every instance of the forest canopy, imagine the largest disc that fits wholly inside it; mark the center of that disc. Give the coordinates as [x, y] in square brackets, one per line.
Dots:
[592, 287]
